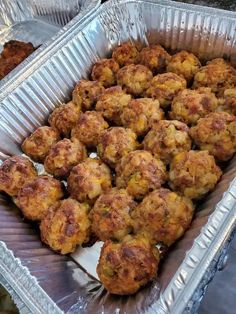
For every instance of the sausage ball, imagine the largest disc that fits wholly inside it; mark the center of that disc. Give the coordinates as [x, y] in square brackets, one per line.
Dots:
[125, 54]
[125, 267]
[111, 215]
[185, 64]
[217, 134]
[217, 74]
[155, 58]
[104, 71]
[64, 118]
[228, 102]
[86, 94]
[165, 87]
[89, 127]
[38, 144]
[63, 156]
[191, 105]
[65, 226]
[166, 139]
[141, 114]
[35, 197]
[88, 180]
[112, 103]
[14, 173]
[163, 216]
[194, 173]
[115, 143]
[134, 79]
[139, 172]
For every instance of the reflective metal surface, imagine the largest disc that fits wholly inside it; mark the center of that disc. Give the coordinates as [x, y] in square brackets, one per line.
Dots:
[47, 81]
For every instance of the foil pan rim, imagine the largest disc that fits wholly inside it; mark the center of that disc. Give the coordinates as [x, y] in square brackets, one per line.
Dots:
[24, 285]
[171, 299]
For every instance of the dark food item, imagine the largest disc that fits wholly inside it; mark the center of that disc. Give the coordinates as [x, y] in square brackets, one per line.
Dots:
[163, 216]
[65, 117]
[112, 103]
[228, 102]
[217, 74]
[155, 58]
[111, 215]
[194, 173]
[126, 54]
[14, 52]
[35, 197]
[140, 173]
[166, 139]
[38, 144]
[88, 180]
[114, 143]
[125, 267]
[86, 94]
[134, 79]
[185, 64]
[217, 134]
[89, 128]
[165, 87]
[63, 156]
[14, 173]
[66, 225]
[191, 105]
[104, 71]
[141, 114]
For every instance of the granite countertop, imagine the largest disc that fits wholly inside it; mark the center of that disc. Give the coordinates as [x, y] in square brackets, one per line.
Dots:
[221, 4]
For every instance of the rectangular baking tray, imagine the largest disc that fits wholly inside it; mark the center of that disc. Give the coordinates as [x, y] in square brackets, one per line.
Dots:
[49, 283]
[37, 21]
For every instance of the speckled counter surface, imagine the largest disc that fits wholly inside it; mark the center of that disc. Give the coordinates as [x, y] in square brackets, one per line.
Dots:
[226, 4]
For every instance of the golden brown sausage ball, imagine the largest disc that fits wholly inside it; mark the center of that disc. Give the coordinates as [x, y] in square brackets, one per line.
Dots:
[64, 118]
[166, 139]
[86, 94]
[66, 225]
[112, 103]
[165, 87]
[139, 172]
[38, 144]
[217, 74]
[125, 54]
[193, 173]
[141, 114]
[125, 267]
[155, 58]
[217, 134]
[35, 197]
[63, 156]
[89, 127]
[163, 216]
[104, 71]
[134, 79]
[14, 173]
[191, 105]
[88, 180]
[111, 215]
[185, 64]
[115, 143]
[228, 102]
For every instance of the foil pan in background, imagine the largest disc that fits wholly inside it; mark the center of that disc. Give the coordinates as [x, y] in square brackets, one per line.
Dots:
[37, 21]
[50, 283]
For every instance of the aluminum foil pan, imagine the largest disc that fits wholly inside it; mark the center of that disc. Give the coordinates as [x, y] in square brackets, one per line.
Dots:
[37, 21]
[49, 283]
